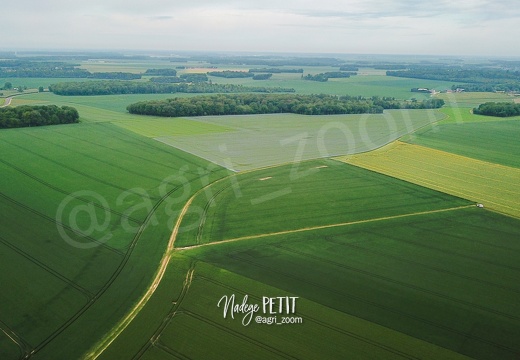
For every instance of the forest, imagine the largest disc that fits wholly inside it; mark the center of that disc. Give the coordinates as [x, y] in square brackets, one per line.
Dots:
[26, 115]
[240, 104]
[129, 87]
[501, 109]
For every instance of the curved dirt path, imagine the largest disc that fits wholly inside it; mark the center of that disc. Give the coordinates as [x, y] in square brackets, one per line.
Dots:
[7, 102]
[123, 324]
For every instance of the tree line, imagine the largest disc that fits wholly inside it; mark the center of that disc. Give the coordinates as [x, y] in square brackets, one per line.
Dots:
[471, 80]
[276, 71]
[489, 87]
[228, 74]
[188, 78]
[323, 77]
[26, 115]
[160, 72]
[457, 74]
[262, 76]
[131, 87]
[20, 68]
[241, 104]
[502, 109]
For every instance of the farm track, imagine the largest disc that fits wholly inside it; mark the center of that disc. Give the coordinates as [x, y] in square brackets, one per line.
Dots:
[154, 339]
[119, 328]
[385, 308]
[112, 278]
[7, 102]
[25, 348]
[321, 227]
[205, 213]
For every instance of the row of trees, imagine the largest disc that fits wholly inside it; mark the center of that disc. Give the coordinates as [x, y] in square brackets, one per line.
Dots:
[457, 74]
[277, 71]
[160, 72]
[502, 109]
[64, 72]
[228, 74]
[20, 68]
[348, 68]
[187, 78]
[329, 75]
[25, 116]
[266, 76]
[239, 104]
[472, 79]
[131, 87]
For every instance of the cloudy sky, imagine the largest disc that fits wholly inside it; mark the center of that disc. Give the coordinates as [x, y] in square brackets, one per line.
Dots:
[446, 27]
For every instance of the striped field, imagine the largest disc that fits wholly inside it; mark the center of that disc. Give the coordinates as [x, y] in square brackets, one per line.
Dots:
[476, 180]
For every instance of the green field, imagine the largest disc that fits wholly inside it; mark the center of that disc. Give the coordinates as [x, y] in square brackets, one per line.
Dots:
[492, 141]
[118, 194]
[266, 140]
[313, 194]
[384, 266]
[480, 181]
[326, 333]
[377, 259]
[364, 85]
[403, 274]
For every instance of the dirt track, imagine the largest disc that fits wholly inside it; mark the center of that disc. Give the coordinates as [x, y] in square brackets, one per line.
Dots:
[322, 227]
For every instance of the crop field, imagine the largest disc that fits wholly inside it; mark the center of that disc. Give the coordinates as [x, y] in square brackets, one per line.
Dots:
[382, 266]
[326, 332]
[480, 181]
[95, 192]
[473, 99]
[292, 197]
[491, 141]
[120, 234]
[433, 277]
[266, 140]
[364, 85]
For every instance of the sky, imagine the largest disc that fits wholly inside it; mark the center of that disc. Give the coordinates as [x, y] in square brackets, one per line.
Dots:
[440, 27]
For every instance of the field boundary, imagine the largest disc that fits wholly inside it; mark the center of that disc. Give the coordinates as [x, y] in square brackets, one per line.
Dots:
[320, 227]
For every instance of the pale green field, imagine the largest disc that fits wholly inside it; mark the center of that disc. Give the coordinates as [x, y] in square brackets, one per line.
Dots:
[482, 182]
[473, 99]
[265, 140]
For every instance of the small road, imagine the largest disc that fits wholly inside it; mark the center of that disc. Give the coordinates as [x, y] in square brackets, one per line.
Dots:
[7, 101]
